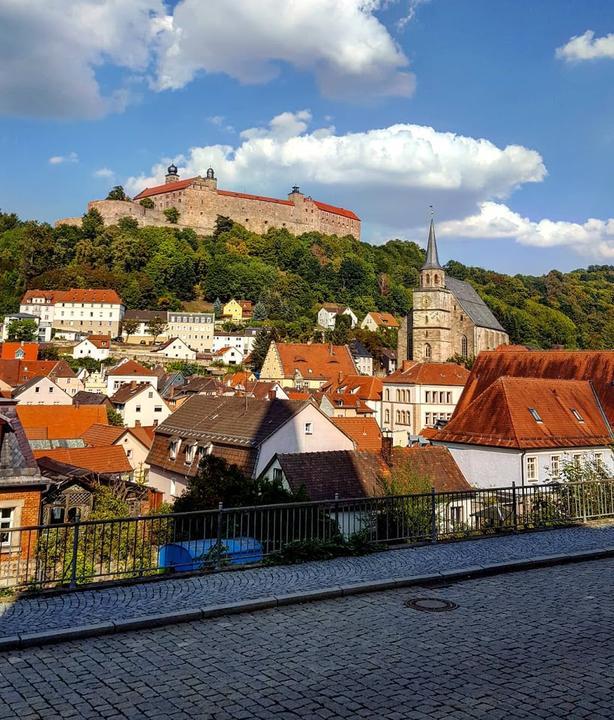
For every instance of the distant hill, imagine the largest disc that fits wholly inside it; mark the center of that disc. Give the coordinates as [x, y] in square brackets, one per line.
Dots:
[165, 268]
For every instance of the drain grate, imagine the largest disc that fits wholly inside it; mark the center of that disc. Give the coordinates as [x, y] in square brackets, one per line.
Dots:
[430, 604]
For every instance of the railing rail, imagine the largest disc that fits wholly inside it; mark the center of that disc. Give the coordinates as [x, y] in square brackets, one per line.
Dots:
[72, 554]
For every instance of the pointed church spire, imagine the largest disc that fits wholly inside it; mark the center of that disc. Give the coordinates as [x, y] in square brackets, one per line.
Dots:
[432, 258]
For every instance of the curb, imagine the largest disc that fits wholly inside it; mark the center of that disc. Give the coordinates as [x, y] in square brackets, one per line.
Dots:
[47, 637]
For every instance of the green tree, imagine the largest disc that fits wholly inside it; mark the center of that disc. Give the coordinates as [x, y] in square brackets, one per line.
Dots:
[130, 326]
[114, 417]
[117, 193]
[222, 224]
[172, 215]
[260, 312]
[217, 308]
[262, 341]
[147, 202]
[24, 330]
[156, 327]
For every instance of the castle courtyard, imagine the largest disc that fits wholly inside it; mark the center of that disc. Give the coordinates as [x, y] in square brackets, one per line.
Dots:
[532, 644]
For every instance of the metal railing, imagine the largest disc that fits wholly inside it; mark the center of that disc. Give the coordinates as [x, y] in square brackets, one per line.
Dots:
[72, 554]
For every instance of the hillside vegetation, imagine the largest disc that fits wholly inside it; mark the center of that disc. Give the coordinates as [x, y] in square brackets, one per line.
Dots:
[165, 267]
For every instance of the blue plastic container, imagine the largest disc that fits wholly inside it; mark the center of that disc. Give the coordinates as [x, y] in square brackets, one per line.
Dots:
[192, 555]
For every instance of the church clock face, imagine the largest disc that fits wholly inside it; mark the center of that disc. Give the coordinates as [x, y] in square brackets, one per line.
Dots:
[425, 301]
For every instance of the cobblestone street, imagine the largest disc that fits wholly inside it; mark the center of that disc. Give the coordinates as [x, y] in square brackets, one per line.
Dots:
[534, 644]
[30, 614]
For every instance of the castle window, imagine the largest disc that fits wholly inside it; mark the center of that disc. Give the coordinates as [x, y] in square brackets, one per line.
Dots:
[436, 279]
[464, 350]
[428, 352]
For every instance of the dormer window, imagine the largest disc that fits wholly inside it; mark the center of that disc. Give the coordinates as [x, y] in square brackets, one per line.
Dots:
[19, 354]
[577, 415]
[173, 449]
[536, 415]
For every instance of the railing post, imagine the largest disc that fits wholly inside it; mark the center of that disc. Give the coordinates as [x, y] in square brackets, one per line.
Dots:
[218, 554]
[514, 508]
[433, 516]
[337, 513]
[75, 550]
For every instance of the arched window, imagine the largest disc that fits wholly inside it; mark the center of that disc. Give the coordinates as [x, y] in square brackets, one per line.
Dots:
[464, 350]
[428, 352]
[387, 416]
[387, 394]
[428, 279]
[436, 279]
[398, 416]
[398, 396]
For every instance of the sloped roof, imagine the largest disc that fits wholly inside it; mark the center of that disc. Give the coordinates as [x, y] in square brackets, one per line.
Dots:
[384, 319]
[18, 372]
[364, 431]
[336, 210]
[594, 365]
[107, 459]
[429, 373]
[315, 361]
[473, 304]
[75, 295]
[349, 473]
[169, 342]
[166, 187]
[502, 416]
[102, 435]
[131, 367]
[8, 350]
[366, 387]
[434, 463]
[55, 422]
[102, 342]
[146, 315]
[83, 397]
[130, 390]
[17, 464]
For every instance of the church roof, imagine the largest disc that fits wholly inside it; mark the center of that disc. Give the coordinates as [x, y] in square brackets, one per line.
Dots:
[432, 258]
[473, 304]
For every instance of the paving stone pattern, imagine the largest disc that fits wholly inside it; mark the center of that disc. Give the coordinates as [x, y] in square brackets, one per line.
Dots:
[533, 644]
[115, 603]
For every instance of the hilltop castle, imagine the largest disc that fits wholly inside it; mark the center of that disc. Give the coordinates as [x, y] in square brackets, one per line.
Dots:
[448, 317]
[199, 202]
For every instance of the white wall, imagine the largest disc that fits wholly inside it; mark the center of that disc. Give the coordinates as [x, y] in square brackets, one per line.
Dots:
[291, 438]
[45, 392]
[141, 410]
[487, 467]
[170, 483]
[87, 349]
[114, 382]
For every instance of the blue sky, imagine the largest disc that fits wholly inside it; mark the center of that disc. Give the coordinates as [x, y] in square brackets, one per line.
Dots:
[380, 106]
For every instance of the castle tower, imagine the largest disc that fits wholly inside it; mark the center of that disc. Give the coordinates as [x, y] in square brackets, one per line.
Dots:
[432, 309]
[210, 179]
[171, 174]
[296, 196]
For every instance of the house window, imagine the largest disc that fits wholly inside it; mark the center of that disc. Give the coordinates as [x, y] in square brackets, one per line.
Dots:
[137, 408]
[577, 415]
[387, 417]
[128, 453]
[449, 397]
[456, 515]
[555, 466]
[190, 451]
[277, 476]
[428, 352]
[398, 395]
[427, 418]
[536, 416]
[308, 428]
[158, 408]
[464, 349]
[598, 460]
[37, 389]
[387, 394]
[173, 450]
[532, 475]
[577, 459]
[427, 396]
[6, 521]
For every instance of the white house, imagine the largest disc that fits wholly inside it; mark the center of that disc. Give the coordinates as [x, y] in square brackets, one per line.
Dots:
[418, 395]
[375, 321]
[242, 340]
[126, 372]
[136, 442]
[362, 357]
[327, 315]
[43, 330]
[246, 432]
[177, 349]
[195, 329]
[140, 404]
[41, 391]
[228, 356]
[96, 347]
[523, 430]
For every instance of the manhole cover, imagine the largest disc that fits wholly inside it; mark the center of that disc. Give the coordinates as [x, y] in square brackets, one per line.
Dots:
[431, 604]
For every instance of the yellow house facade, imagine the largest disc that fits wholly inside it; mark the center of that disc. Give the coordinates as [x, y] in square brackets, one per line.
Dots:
[233, 310]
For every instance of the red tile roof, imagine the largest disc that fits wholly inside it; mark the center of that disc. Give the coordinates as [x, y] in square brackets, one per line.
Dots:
[75, 295]
[429, 373]
[59, 422]
[18, 372]
[336, 210]
[364, 431]
[107, 459]
[247, 196]
[131, 367]
[102, 342]
[502, 416]
[166, 187]
[316, 361]
[436, 464]
[366, 387]
[596, 366]
[8, 350]
[106, 435]
[384, 319]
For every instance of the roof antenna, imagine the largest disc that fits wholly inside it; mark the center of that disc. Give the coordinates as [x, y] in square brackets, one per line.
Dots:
[432, 211]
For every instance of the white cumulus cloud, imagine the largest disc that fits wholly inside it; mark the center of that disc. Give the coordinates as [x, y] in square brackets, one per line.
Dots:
[587, 47]
[496, 220]
[342, 42]
[72, 157]
[105, 173]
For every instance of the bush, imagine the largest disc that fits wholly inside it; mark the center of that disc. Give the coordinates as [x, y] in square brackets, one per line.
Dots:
[300, 551]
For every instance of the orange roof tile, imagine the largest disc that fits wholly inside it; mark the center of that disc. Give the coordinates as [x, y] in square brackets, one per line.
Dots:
[131, 367]
[594, 365]
[107, 459]
[336, 210]
[384, 319]
[102, 342]
[366, 387]
[166, 187]
[429, 374]
[8, 350]
[74, 295]
[102, 435]
[531, 413]
[59, 422]
[365, 432]
[18, 372]
[316, 361]
[434, 463]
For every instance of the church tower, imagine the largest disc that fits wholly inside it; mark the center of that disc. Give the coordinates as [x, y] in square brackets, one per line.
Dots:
[171, 174]
[432, 309]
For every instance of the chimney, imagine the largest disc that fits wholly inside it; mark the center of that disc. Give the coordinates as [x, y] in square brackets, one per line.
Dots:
[272, 394]
[387, 449]
[330, 349]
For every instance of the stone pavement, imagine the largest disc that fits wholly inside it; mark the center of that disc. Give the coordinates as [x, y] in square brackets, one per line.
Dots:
[130, 601]
[533, 644]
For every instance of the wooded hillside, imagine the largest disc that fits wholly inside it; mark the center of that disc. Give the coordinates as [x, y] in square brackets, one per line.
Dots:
[164, 267]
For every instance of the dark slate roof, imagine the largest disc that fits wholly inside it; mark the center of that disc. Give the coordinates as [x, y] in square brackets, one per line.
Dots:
[83, 397]
[473, 304]
[146, 315]
[17, 464]
[359, 350]
[432, 258]
[349, 473]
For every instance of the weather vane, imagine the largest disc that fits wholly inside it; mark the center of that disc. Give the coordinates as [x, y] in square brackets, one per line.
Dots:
[432, 211]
